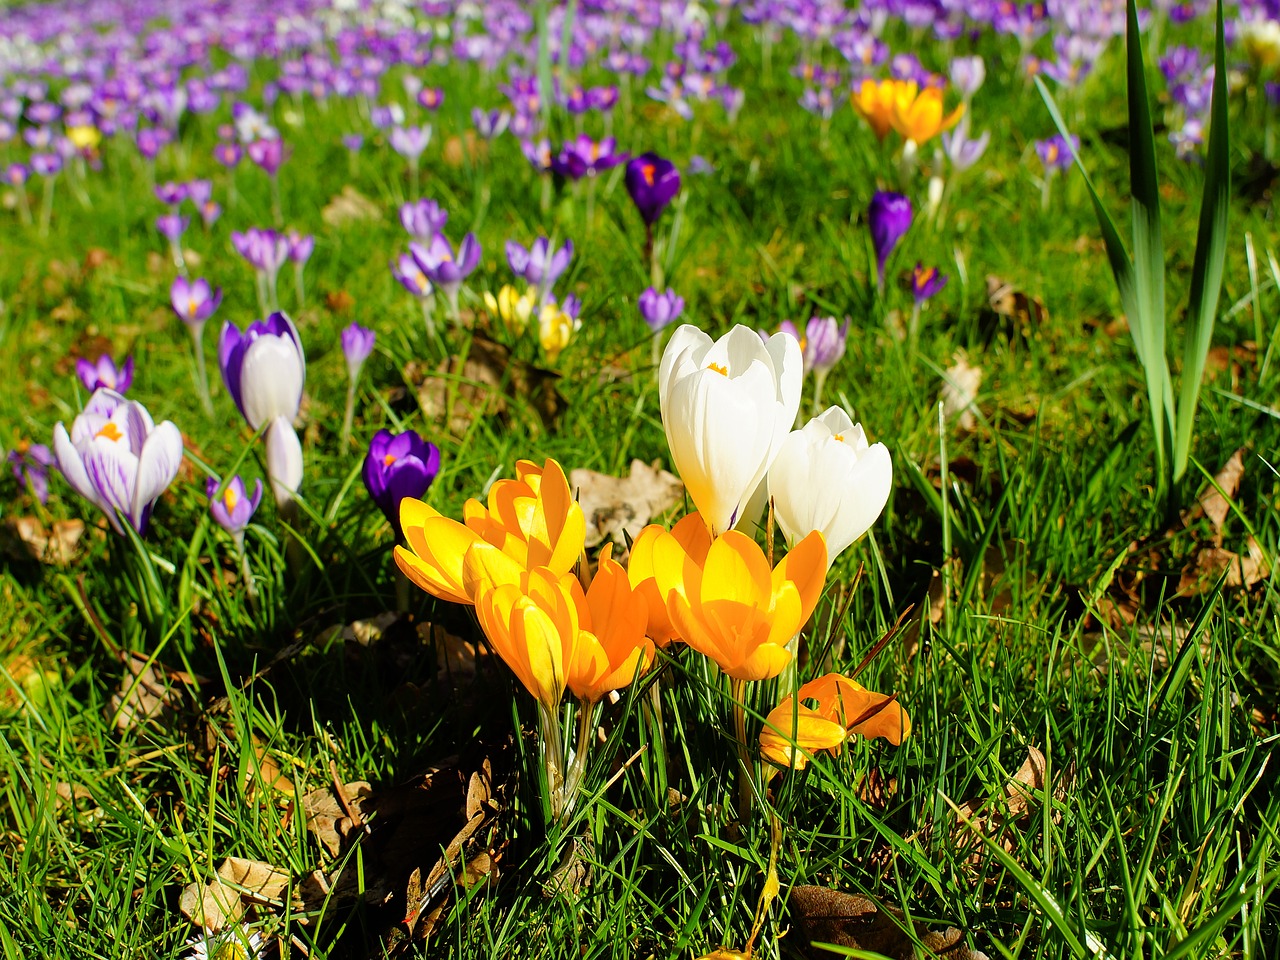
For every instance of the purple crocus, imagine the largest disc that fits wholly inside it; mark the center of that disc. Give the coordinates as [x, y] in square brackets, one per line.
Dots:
[357, 344]
[268, 155]
[926, 282]
[584, 157]
[824, 342]
[411, 276]
[399, 466]
[409, 142]
[193, 300]
[423, 219]
[233, 508]
[539, 266]
[31, 469]
[1055, 153]
[118, 458]
[653, 183]
[105, 374]
[442, 268]
[431, 98]
[172, 226]
[353, 142]
[264, 249]
[299, 246]
[660, 309]
[889, 216]
[490, 124]
[171, 194]
[228, 154]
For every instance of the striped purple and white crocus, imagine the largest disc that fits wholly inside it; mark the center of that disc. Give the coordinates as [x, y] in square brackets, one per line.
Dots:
[118, 459]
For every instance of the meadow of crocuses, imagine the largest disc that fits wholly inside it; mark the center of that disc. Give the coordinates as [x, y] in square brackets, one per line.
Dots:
[639, 479]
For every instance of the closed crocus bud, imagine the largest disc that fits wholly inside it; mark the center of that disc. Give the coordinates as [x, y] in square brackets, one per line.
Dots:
[284, 459]
[889, 217]
[660, 309]
[826, 477]
[357, 344]
[727, 406]
[399, 465]
[652, 183]
[233, 508]
[105, 375]
[824, 343]
[118, 459]
[967, 75]
[264, 369]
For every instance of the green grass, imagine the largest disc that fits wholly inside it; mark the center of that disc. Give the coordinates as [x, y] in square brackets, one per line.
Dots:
[1157, 834]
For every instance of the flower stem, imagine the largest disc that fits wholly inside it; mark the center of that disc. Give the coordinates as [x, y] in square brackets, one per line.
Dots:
[348, 416]
[738, 692]
[276, 213]
[578, 768]
[46, 207]
[552, 760]
[246, 574]
[202, 375]
[298, 288]
[428, 318]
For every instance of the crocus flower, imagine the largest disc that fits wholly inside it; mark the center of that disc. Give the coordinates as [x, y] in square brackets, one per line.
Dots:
[824, 343]
[584, 157]
[918, 116]
[827, 477]
[299, 246]
[118, 459]
[731, 607]
[514, 308]
[660, 309]
[264, 369]
[228, 154]
[793, 732]
[353, 142]
[423, 219]
[357, 344]
[962, 150]
[431, 97]
[967, 75]
[726, 408]
[412, 277]
[557, 324]
[171, 194]
[233, 508]
[926, 282]
[193, 301]
[105, 375]
[889, 217]
[399, 465]
[1055, 153]
[31, 469]
[410, 142]
[873, 101]
[446, 271]
[171, 226]
[539, 265]
[533, 520]
[268, 155]
[652, 183]
[490, 124]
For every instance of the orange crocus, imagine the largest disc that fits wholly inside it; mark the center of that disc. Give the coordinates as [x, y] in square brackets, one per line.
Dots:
[732, 608]
[918, 116]
[533, 520]
[794, 732]
[874, 101]
[612, 648]
[692, 536]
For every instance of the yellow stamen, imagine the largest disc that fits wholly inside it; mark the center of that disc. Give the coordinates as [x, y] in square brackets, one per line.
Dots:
[230, 498]
[722, 370]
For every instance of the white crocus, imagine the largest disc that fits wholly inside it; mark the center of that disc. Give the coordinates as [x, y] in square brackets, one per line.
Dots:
[827, 477]
[118, 459]
[284, 460]
[727, 406]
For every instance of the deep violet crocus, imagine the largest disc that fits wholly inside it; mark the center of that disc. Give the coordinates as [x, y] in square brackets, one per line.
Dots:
[653, 183]
[399, 466]
[105, 374]
[357, 344]
[195, 303]
[889, 217]
[659, 309]
[925, 283]
[118, 459]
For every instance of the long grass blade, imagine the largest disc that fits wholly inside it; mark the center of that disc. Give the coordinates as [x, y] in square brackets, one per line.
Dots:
[1211, 251]
[1148, 239]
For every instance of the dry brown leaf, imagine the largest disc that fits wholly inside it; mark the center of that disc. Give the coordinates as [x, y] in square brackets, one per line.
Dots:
[350, 206]
[1242, 570]
[455, 657]
[221, 901]
[327, 818]
[617, 507]
[338, 301]
[266, 771]
[1018, 799]
[457, 149]
[822, 915]
[1025, 314]
[960, 390]
[142, 694]
[1215, 501]
[56, 546]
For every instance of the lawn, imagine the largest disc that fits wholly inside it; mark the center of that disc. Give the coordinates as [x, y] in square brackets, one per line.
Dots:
[278, 736]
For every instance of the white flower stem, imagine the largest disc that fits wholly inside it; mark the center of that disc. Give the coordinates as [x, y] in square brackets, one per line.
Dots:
[348, 416]
[202, 375]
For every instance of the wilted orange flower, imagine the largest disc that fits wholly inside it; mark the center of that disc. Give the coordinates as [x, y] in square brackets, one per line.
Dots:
[845, 708]
[731, 607]
[533, 520]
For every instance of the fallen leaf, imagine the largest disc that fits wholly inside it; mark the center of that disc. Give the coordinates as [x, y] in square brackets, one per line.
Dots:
[221, 901]
[338, 301]
[1242, 570]
[327, 818]
[618, 507]
[350, 206]
[266, 771]
[1019, 797]
[56, 546]
[822, 915]
[142, 694]
[1214, 501]
[455, 657]
[1011, 311]
[457, 149]
[960, 389]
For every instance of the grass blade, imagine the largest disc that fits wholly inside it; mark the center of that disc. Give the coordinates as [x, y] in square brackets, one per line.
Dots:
[1211, 251]
[1148, 241]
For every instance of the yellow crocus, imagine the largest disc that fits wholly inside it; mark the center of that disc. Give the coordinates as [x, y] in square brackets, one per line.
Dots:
[84, 137]
[512, 307]
[611, 648]
[555, 329]
[918, 116]
[874, 102]
[532, 520]
[732, 608]
[793, 733]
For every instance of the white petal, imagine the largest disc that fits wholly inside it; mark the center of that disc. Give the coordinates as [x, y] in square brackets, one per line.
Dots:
[271, 379]
[284, 459]
[679, 359]
[72, 465]
[157, 466]
[113, 472]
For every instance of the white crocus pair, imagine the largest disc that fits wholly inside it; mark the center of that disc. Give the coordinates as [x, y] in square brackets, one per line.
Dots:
[727, 409]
